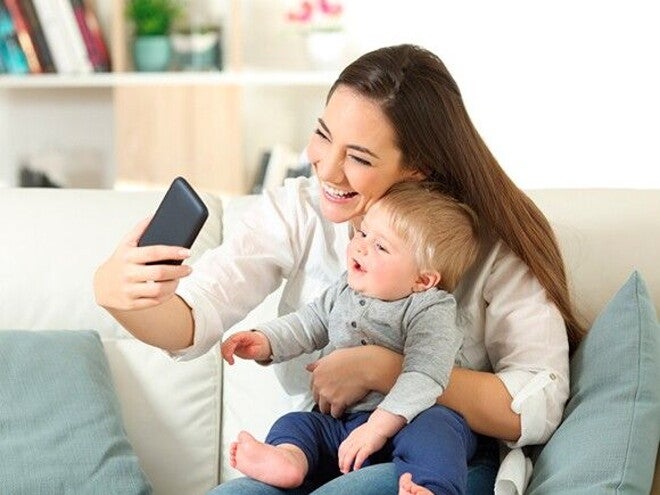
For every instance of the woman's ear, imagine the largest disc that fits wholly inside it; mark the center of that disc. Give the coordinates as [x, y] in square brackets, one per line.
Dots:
[426, 280]
[416, 176]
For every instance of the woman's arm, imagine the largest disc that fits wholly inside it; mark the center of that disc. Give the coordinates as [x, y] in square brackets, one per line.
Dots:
[183, 308]
[484, 402]
[141, 297]
[346, 375]
[168, 326]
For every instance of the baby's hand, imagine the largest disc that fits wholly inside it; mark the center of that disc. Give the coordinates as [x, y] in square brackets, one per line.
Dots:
[358, 446]
[246, 345]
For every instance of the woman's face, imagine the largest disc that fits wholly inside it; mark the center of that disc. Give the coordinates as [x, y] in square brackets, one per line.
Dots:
[354, 155]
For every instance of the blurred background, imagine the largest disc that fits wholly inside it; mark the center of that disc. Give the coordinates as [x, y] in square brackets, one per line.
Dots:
[565, 93]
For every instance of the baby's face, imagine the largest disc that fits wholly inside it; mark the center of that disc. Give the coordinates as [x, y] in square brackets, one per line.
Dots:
[379, 263]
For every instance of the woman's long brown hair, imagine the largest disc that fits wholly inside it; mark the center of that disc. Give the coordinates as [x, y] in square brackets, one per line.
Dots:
[436, 137]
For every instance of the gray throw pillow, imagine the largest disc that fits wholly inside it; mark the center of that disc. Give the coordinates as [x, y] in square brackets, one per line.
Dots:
[60, 424]
[608, 440]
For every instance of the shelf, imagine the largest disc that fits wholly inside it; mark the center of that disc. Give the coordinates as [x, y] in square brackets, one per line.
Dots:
[110, 80]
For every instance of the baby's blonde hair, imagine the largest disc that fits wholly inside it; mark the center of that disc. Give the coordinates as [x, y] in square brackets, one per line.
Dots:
[443, 233]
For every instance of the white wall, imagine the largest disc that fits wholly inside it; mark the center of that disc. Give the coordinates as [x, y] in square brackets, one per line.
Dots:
[565, 93]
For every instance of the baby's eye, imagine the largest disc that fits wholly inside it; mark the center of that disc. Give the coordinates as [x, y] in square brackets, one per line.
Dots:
[361, 233]
[380, 247]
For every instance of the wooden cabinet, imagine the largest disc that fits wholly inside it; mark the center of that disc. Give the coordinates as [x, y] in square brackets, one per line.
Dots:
[191, 130]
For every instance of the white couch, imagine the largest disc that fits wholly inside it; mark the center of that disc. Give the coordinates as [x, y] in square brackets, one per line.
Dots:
[180, 417]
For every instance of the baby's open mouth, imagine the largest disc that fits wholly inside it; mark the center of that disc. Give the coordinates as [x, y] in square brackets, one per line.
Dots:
[357, 266]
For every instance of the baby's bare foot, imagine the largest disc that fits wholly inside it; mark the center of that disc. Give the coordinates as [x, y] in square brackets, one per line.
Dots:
[232, 454]
[408, 487]
[283, 466]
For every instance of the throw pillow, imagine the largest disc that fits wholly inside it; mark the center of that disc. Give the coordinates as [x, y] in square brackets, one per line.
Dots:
[608, 440]
[60, 421]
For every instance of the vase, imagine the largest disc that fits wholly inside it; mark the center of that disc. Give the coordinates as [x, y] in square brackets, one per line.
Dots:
[325, 49]
[196, 51]
[152, 53]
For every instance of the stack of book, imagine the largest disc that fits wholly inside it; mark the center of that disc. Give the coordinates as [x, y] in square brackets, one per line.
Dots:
[51, 36]
[276, 164]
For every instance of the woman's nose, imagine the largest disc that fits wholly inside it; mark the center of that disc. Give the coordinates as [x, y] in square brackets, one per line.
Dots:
[330, 168]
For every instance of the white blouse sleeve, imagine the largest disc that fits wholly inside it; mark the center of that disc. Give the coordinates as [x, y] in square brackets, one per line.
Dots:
[526, 341]
[230, 280]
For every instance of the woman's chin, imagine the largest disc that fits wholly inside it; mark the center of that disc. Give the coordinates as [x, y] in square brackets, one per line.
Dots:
[338, 212]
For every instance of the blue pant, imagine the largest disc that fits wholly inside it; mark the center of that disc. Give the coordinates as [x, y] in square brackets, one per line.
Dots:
[382, 479]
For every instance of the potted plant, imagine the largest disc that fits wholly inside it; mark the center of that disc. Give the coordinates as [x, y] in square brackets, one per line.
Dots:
[152, 20]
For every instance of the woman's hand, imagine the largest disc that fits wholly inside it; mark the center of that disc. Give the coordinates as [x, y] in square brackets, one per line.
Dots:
[126, 282]
[345, 376]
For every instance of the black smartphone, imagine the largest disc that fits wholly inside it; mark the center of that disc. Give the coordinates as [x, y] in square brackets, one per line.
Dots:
[178, 219]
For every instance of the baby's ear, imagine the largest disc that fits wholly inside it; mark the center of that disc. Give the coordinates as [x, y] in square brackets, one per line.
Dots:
[426, 280]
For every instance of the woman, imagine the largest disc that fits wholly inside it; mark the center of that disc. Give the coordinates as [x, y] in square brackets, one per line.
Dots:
[394, 114]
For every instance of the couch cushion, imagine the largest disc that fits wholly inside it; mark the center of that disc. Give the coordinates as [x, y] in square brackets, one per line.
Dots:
[604, 235]
[171, 414]
[608, 440]
[60, 420]
[54, 240]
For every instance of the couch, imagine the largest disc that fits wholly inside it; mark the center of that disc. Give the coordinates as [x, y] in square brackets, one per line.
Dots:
[179, 417]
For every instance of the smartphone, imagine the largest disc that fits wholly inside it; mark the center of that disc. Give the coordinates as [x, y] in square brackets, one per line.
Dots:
[177, 221]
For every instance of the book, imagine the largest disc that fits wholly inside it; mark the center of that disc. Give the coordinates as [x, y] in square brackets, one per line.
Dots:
[13, 58]
[38, 37]
[260, 177]
[277, 164]
[55, 35]
[89, 27]
[63, 36]
[74, 37]
[23, 36]
[102, 51]
[281, 159]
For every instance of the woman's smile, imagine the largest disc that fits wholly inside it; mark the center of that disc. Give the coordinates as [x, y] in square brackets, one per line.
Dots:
[337, 195]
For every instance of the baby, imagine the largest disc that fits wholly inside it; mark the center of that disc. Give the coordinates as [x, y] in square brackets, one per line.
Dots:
[411, 249]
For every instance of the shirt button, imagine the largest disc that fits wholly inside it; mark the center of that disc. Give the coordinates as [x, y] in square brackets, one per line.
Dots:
[354, 324]
[363, 342]
[553, 376]
[362, 302]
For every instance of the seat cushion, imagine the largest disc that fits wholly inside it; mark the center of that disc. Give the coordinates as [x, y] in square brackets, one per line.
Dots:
[172, 414]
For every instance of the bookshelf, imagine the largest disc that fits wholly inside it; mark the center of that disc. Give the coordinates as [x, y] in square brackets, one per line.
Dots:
[199, 124]
[220, 78]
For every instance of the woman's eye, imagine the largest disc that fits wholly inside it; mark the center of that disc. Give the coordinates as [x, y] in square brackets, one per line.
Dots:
[361, 161]
[318, 132]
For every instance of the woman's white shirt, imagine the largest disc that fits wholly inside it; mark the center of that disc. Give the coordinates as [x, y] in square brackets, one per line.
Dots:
[510, 326]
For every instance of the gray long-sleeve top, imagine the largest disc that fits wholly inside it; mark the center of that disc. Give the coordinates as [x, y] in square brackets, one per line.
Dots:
[421, 326]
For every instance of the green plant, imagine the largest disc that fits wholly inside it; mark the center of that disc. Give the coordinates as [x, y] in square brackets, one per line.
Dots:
[152, 17]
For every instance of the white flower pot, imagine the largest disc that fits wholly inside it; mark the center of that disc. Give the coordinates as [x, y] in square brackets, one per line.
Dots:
[325, 49]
